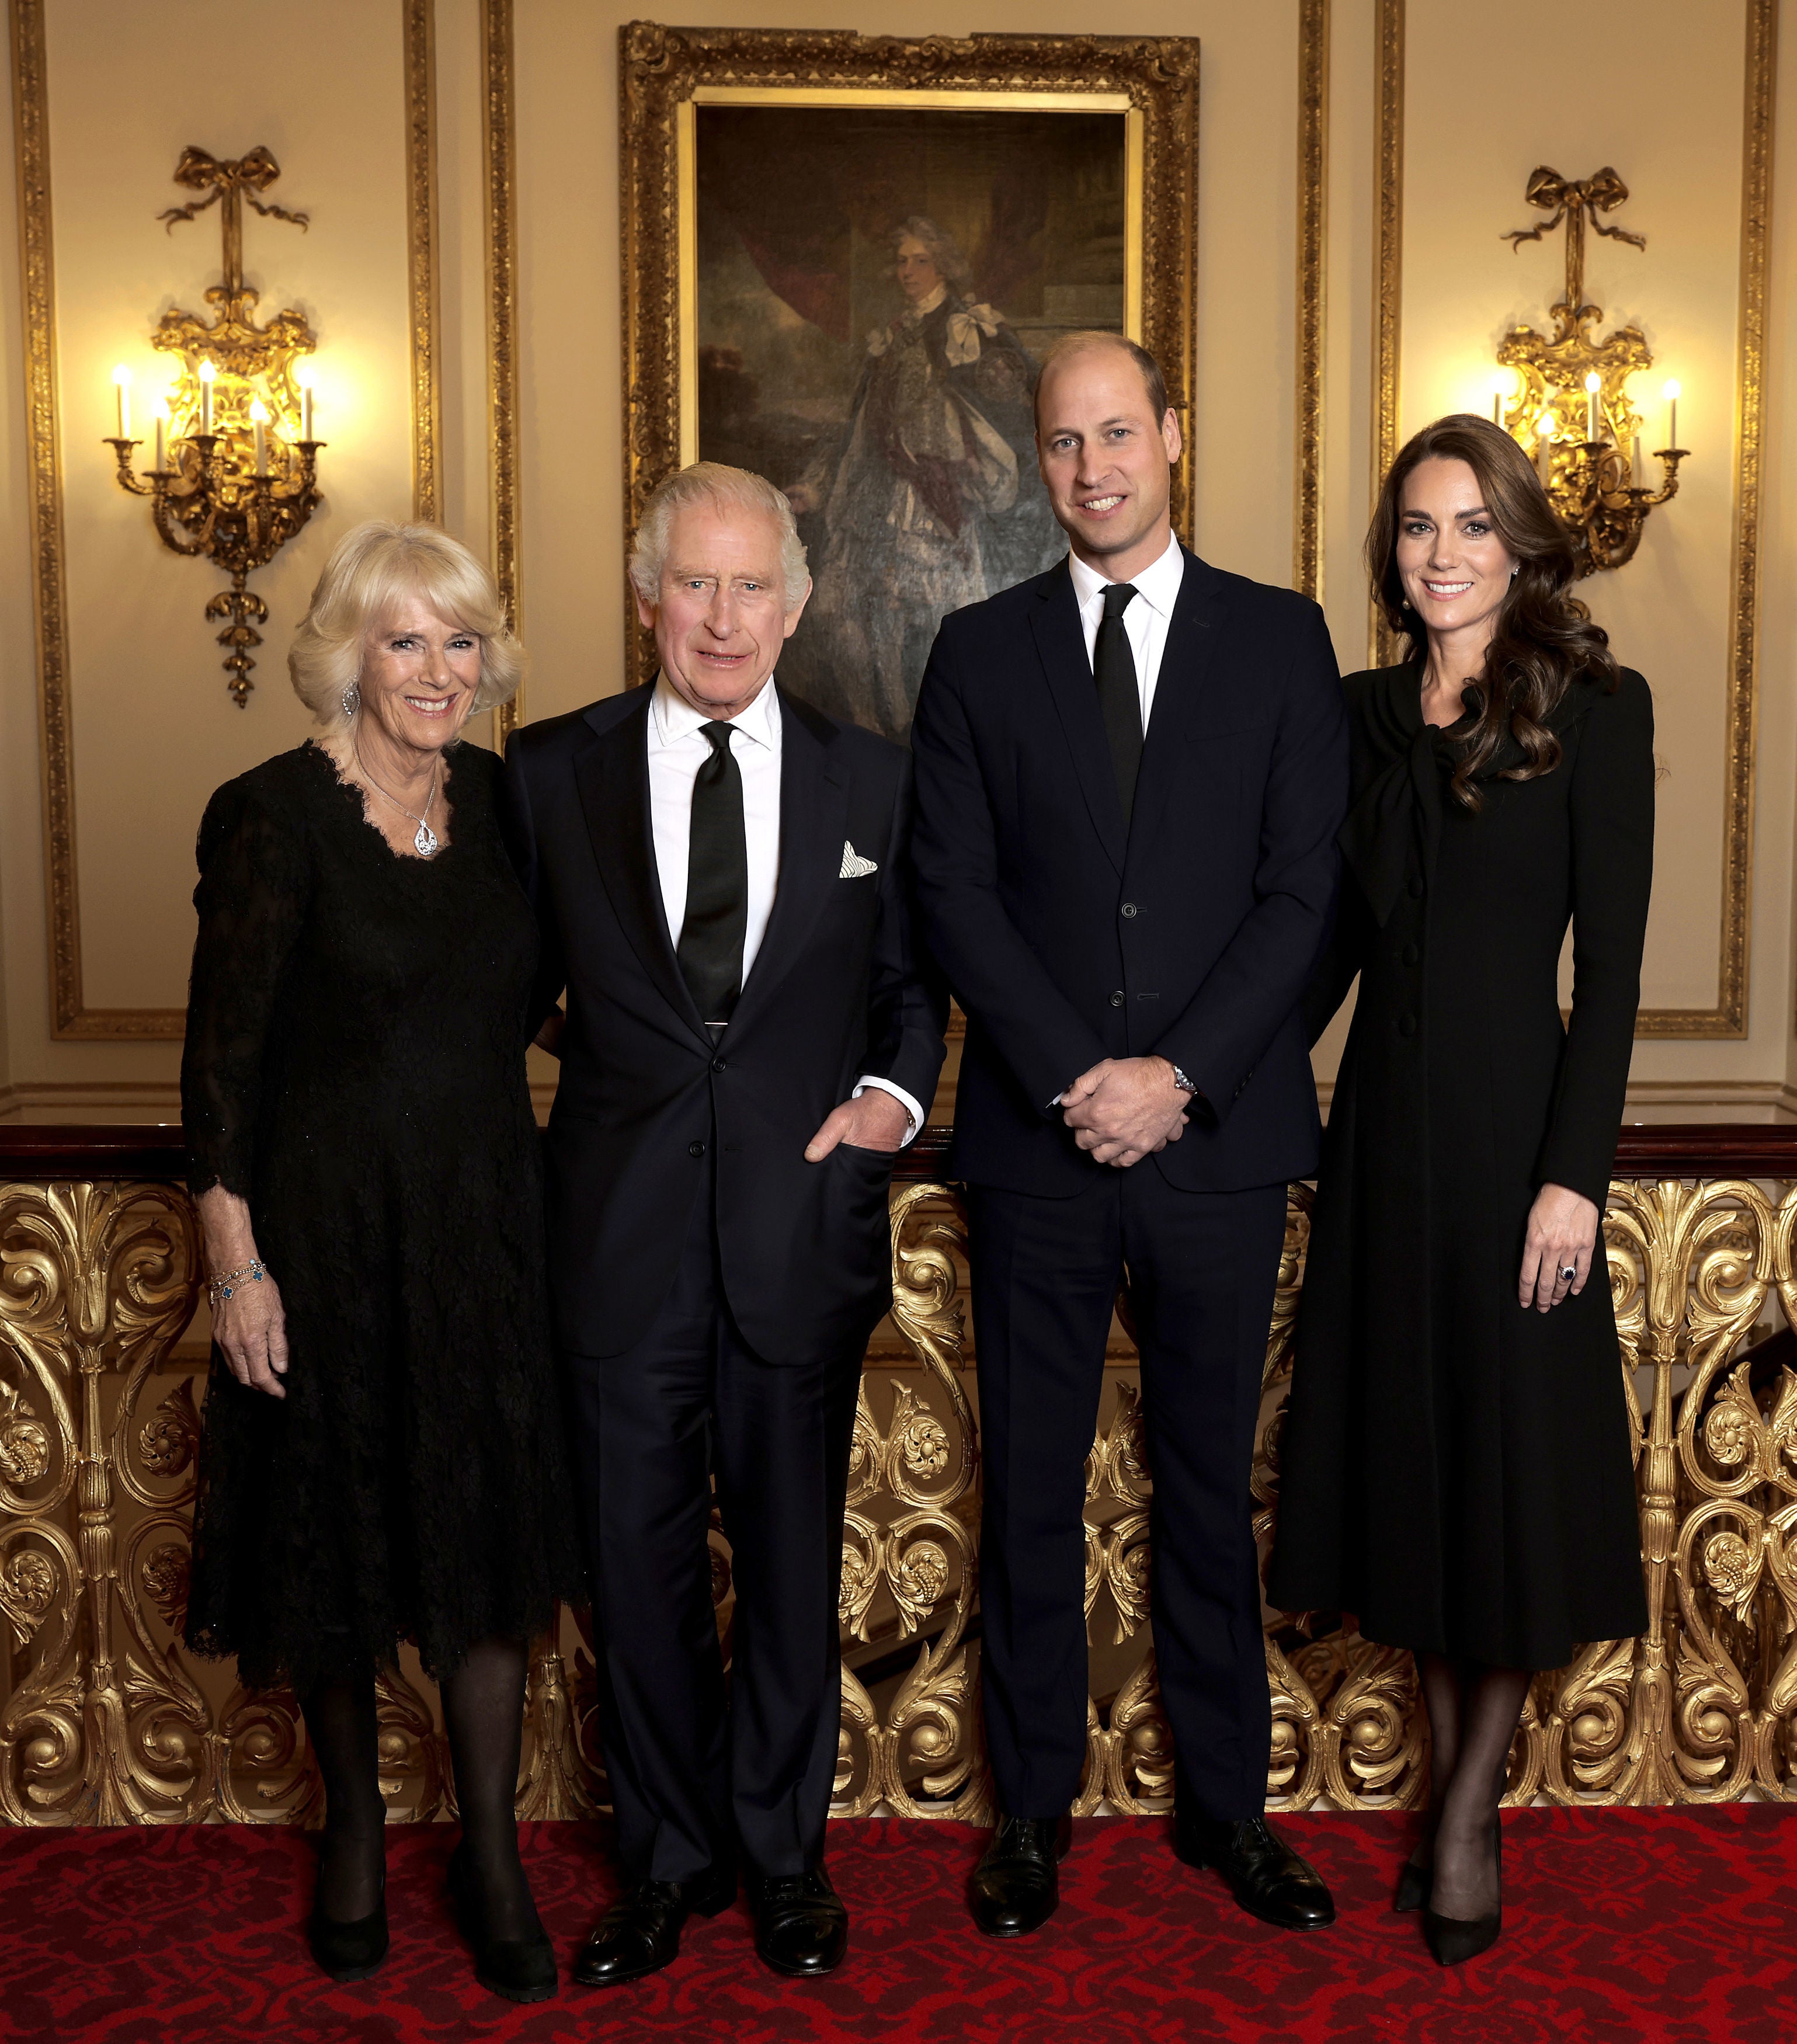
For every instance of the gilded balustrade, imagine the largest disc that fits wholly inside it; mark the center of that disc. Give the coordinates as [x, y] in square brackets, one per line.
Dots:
[105, 1718]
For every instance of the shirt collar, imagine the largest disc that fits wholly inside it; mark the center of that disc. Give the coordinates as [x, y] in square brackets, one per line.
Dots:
[926, 306]
[674, 719]
[1157, 585]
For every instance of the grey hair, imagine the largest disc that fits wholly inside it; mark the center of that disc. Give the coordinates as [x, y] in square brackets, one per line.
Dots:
[952, 267]
[740, 489]
[371, 566]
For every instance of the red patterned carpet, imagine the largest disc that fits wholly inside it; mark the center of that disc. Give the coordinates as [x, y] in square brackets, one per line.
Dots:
[1625, 1925]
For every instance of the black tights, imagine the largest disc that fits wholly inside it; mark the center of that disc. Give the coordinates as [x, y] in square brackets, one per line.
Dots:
[483, 1705]
[1474, 1710]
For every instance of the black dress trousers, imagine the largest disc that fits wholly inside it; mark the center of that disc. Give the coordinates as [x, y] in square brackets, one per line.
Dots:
[1201, 1267]
[694, 1776]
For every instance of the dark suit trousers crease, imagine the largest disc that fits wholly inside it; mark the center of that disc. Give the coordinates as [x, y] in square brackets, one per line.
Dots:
[1202, 1268]
[693, 1775]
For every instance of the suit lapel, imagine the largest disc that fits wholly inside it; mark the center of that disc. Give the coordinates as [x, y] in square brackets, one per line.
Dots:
[613, 778]
[1181, 685]
[1061, 644]
[814, 802]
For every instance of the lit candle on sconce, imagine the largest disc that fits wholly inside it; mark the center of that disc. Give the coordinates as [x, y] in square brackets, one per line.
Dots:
[259, 419]
[1670, 393]
[1544, 446]
[162, 436]
[122, 386]
[1593, 384]
[207, 373]
[1636, 471]
[303, 374]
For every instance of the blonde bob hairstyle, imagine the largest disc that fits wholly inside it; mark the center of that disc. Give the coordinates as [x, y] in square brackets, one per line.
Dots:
[731, 489]
[371, 568]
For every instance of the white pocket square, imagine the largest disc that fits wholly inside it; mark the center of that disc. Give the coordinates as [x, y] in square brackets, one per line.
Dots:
[854, 866]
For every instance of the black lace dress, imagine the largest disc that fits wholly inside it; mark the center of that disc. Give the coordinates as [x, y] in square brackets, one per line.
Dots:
[355, 1068]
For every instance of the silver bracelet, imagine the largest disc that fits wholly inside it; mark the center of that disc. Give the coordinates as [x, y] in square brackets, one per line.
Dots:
[218, 1289]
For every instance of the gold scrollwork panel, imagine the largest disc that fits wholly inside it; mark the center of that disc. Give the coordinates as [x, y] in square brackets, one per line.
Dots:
[104, 1718]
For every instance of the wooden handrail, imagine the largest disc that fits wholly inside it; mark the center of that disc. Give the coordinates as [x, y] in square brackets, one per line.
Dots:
[155, 1149]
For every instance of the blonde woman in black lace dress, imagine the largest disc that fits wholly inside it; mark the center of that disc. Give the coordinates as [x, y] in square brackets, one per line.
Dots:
[383, 1457]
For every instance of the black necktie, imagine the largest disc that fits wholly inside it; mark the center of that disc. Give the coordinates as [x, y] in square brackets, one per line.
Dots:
[1119, 702]
[717, 884]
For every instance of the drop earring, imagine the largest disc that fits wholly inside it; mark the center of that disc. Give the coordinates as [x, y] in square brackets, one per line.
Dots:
[351, 698]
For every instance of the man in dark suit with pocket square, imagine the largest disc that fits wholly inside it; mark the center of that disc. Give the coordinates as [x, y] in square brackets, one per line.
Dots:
[1130, 772]
[721, 875]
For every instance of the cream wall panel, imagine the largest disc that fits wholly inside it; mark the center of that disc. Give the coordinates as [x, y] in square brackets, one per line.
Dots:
[154, 729]
[1668, 612]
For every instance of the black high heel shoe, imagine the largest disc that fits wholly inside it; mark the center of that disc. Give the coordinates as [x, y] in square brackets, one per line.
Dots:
[1455, 1939]
[520, 1969]
[350, 1951]
[1413, 1885]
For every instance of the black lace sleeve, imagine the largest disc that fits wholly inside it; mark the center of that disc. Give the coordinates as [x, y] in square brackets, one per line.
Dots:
[255, 879]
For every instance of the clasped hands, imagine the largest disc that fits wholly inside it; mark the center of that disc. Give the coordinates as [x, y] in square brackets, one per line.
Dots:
[1126, 1108]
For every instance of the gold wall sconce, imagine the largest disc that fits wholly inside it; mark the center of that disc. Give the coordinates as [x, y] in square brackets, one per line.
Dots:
[1572, 407]
[235, 475]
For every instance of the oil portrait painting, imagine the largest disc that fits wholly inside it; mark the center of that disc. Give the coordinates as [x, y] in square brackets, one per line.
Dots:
[875, 286]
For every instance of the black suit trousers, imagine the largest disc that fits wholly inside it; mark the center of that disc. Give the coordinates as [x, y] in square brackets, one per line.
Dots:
[696, 1774]
[1201, 1269]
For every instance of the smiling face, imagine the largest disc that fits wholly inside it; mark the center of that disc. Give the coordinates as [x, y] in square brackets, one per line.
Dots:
[1454, 569]
[419, 675]
[915, 268]
[720, 617]
[1106, 460]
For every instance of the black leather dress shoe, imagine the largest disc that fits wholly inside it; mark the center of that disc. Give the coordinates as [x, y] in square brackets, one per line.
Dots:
[801, 1927]
[1014, 1888]
[640, 1933]
[350, 1951]
[1268, 1879]
[520, 1969]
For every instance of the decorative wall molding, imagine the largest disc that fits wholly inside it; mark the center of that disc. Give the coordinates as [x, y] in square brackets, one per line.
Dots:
[71, 1020]
[1388, 276]
[498, 129]
[420, 17]
[1729, 1016]
[1313, 242]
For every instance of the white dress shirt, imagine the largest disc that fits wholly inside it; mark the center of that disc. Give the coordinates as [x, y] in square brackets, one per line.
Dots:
[677, 748]
[1146, 620]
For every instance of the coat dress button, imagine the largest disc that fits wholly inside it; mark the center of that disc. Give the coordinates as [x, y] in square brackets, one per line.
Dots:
[695, 1149]
[1416, 886]
[1130, 909]
[1412, 956]
[1407, 1025]
[1117, 998]
[718, 1065]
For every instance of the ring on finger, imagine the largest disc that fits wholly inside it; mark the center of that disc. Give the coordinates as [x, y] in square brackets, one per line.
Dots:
[1568, 1273]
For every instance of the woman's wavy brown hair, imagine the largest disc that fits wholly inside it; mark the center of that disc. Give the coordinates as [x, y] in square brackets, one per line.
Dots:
[1545, 639]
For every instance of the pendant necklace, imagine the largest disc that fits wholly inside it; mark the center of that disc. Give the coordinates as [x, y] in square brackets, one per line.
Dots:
[425, 843]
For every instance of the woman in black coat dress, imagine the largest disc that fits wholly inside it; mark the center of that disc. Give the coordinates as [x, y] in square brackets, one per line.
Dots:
[1457, 1465]
[382, 1454]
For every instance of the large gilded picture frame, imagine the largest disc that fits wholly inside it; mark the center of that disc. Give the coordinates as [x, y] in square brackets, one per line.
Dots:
[844, 257]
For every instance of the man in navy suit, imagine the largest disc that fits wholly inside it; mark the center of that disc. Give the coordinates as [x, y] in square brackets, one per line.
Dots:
[721, 876]
[1130, 773]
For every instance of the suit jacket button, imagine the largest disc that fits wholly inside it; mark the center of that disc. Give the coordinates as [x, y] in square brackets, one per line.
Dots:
[1129, 908]
[1416, 886]
[695, 1149]
[718, 1065]
[1117, 999]
[1411, 956]
[1407, 1025]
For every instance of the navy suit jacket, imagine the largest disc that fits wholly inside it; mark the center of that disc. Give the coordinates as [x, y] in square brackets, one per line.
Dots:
[1067, 938]
[837, 990]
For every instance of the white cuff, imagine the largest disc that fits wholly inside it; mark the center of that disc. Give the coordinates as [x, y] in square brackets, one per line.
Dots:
[898, 1093]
